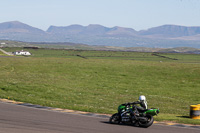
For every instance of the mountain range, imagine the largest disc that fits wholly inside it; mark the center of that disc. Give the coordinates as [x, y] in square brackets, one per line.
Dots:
[164, 36]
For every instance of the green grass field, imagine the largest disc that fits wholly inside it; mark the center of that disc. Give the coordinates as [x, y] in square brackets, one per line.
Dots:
[2, 54]
[98, 81]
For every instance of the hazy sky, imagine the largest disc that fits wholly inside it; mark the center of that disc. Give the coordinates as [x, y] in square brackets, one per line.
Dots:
[136, 14]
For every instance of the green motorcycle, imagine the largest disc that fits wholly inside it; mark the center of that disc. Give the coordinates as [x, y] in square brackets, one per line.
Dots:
[130, 114]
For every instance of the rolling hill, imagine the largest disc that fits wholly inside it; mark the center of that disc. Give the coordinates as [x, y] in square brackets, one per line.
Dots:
[165, 36]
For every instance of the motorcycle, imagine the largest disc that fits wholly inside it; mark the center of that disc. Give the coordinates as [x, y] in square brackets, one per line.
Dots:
[130, 114]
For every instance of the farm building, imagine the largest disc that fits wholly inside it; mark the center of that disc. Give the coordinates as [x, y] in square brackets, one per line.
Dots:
[22, 52]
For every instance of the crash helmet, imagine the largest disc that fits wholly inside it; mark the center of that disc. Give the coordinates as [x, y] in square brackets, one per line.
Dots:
[142, 98]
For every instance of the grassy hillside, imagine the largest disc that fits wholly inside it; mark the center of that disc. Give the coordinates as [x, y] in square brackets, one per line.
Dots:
[77, 46]
[102, 80]
[1, 53]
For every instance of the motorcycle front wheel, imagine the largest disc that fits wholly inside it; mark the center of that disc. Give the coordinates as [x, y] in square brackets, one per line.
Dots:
[115, 119]
[149, 121]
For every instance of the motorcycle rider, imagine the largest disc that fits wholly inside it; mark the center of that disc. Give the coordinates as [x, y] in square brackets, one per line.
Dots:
[135, 115]
[142, 101]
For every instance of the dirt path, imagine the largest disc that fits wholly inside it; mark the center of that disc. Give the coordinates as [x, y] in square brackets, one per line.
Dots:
[7, 53]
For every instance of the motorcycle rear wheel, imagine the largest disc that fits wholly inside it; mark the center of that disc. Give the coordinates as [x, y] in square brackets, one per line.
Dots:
[115, 119]
[147, 123]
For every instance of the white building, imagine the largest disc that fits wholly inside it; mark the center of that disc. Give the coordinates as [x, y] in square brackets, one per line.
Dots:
[22, 53]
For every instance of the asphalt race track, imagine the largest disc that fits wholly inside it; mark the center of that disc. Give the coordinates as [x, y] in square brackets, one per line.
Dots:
[22, 119]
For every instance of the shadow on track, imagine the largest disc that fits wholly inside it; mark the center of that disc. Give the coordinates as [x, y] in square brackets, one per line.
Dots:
[121, 124]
